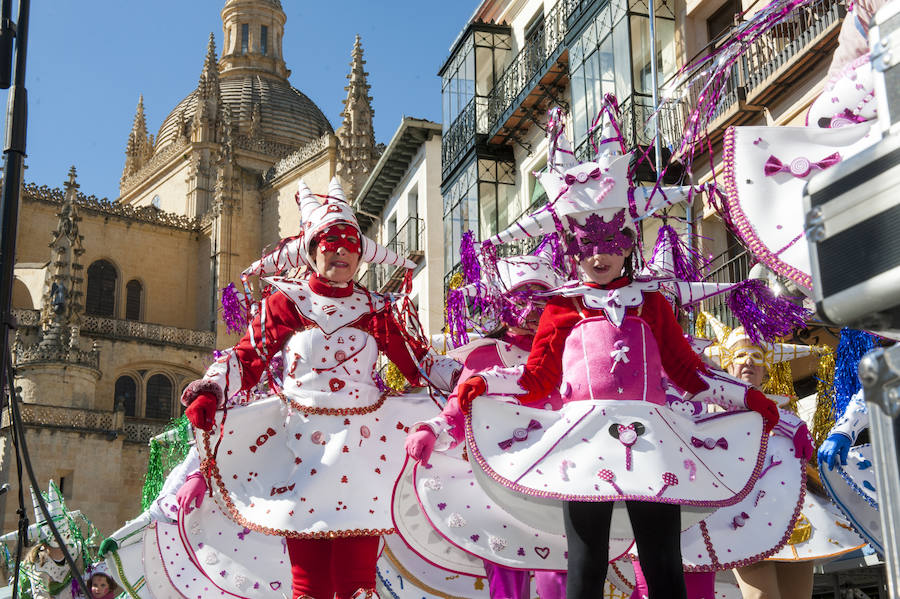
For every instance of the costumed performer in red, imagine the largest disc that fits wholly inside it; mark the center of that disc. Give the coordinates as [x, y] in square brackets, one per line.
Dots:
[310, 463]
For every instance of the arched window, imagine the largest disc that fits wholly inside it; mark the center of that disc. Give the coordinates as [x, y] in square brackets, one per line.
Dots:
[133, 294]
[126, 394]
[159, 397]
[100, 299]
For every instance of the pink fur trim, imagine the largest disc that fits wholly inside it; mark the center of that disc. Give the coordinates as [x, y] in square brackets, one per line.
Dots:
[202, 386]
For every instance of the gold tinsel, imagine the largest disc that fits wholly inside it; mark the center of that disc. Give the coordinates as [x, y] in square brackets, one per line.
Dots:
[781, 382]
[823, 419]
[394, 378]
[700, 326]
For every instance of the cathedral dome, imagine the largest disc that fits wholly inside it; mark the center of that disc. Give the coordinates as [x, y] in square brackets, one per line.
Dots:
[286, 115]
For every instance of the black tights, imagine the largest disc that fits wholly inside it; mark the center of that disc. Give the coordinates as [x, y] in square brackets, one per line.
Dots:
[657, 531]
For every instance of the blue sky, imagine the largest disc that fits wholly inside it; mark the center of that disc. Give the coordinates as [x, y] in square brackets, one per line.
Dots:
[89, 61]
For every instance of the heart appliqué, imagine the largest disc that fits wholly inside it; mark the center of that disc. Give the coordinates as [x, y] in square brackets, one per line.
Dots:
[336, 385]
[275, 585]
[329, 309]
[542, 552]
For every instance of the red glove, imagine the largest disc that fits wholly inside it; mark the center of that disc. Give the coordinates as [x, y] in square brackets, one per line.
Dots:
[468, 391]
[803, 445]
[191, 492]
[420, 444]
[202, 411]
[765, 407]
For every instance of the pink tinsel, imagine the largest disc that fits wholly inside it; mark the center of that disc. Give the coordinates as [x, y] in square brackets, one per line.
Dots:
[765, 316]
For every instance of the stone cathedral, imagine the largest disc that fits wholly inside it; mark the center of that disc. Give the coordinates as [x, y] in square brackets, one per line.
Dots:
[117, 301]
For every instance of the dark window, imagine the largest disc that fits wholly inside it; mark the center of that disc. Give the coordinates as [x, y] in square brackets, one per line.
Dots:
[126, 394]
[133, 292]
[264, 40]
[722, 20]
[100, 299]
[245, 38]
[159, 397]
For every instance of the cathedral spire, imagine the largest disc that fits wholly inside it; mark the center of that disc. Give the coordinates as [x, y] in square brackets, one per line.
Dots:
[139, 148]
[356, 136]
[61, 304]
[209, 98]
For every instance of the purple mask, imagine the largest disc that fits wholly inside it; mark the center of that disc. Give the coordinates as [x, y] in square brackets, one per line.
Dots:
[597, 236]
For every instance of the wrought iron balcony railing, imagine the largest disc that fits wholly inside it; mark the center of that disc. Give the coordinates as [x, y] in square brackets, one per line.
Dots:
[460, 136]
[730, 266]
[637, 127]
[409, 243]
[530, 63]
[772, 62]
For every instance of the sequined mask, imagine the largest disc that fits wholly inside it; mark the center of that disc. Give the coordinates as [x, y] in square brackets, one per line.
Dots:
[339, 236]
[597, 236]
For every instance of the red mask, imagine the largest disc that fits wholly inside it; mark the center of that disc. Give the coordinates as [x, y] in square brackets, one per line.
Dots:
[339, 236]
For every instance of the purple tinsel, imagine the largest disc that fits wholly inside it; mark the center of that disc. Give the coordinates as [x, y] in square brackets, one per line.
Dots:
[684, 258]
[765, 316]
[468, 259]
[234, 314]
[456, 317]
[553, 249]
[852, 347]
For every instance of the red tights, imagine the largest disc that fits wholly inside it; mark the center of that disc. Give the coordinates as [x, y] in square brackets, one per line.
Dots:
[323, 568]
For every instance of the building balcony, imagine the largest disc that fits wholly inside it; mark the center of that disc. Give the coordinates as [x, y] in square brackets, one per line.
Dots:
[407, 243]
[730, 266]
[636, 112]
[771, 65]
[534, 79]
[130, 330]
[102, 422]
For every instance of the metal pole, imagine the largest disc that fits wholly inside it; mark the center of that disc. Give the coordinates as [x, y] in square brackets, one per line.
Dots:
[879, 372]
[654, 81]
[13, 158]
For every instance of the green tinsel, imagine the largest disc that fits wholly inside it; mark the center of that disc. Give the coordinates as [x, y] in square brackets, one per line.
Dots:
[165, 457]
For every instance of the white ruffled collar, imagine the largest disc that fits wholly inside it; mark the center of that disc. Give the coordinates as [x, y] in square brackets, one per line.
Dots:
[613, 302]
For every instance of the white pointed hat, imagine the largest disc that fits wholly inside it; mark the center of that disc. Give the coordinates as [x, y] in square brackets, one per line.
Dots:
[316, 215]
[577, 190]
[729, 341]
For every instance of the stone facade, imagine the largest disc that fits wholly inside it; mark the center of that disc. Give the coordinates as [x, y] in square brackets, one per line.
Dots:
[102, 361]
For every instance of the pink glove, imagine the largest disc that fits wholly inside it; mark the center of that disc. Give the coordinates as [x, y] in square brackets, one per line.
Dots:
[191, 492]
[803, 445]
[420, 444]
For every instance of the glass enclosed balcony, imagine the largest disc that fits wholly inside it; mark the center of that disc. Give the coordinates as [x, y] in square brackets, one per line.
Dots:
[478, 58]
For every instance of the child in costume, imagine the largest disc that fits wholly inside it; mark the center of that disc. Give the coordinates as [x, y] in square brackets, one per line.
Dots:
[310, 463]
[508, 299]
[102, 586]
[605, 343]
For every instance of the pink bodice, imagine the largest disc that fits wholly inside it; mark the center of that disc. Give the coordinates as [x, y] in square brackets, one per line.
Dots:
[602, 361]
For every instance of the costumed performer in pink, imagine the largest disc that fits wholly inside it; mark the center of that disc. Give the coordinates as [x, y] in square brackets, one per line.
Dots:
[311, 463]
[509, 312]
[605, 342]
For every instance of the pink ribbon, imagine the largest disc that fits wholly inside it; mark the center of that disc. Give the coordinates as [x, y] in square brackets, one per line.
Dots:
[800, 166]
[709, 442]
[520, 434]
